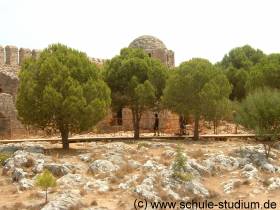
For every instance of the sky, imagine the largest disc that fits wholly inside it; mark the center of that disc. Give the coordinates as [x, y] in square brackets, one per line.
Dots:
[191, 28]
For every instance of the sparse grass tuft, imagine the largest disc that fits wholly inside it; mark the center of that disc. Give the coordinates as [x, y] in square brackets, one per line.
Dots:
[183, 176]
[197, 154]
[143, 144]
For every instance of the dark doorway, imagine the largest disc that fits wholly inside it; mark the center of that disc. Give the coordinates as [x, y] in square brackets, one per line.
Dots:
[5, 130]
[119, 117]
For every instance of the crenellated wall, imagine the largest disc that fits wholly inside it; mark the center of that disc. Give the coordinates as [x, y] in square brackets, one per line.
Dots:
[12, 55]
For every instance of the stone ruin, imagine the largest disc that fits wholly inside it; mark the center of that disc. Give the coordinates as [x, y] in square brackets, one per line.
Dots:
[11, 58]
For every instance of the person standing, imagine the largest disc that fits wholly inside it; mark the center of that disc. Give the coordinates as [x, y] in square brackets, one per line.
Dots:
[156, 125]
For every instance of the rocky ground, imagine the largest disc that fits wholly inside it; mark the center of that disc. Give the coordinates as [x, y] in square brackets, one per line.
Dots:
[110, 176]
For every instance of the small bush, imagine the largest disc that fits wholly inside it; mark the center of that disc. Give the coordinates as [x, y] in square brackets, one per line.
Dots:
[185, 177]
[45, 181]
[143, 144]
[179, 166]
[3, 158]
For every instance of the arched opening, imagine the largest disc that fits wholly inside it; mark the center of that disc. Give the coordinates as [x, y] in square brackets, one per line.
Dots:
[5, 129]
[119, 117]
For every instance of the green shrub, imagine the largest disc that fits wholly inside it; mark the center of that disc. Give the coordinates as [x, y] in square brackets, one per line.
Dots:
[179, 165]
[143, 144]
[45, 181]
[3, 158]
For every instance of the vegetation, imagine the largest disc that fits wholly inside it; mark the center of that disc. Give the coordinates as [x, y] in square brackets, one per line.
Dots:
[136, 81]
[237, 65]
[63, 90]
[45, 181]
[260, 112]
[179, 165]
[265, 74]
[143, 144]
[3, 158]
[197, 88]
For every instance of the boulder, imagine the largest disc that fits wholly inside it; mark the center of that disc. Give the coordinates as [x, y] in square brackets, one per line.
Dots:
[64, 201]
[101, 185]
[34, 148]
[38, 166]
[18, 174]
[200, 168]
[72, 180]
[126, 185]
[223, 161]
[133, 164]
[153, 165]
[85, 157]
[20, 158]
[249, 171]
[269, 167]
[25, 184]
[231, 185]
[10, 148]
[146, 189]
[274, 183]
[102, 166]
[196, 188]
[59, 169]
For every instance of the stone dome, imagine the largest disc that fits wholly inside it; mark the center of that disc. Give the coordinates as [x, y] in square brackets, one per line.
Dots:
[147, 42]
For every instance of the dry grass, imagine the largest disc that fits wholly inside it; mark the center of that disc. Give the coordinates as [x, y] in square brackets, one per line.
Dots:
[124, 170]
[98, 154]
[83, 192]
[197, 154]
[30, 162]
[93, 203]
[35, 195]
[18, 206]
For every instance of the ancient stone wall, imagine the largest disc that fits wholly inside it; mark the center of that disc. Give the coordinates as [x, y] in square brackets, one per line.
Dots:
[2, 56]
[9, 125]
[23, 54]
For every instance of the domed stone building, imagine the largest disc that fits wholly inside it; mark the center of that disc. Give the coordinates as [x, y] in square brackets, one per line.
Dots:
[11, 59]
[168, 121]
[155, 48]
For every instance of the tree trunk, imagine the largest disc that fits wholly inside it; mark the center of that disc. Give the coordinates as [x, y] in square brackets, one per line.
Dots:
[46, 200]
[136, 124]
[215, 127]
[196, 127]
[64, 136]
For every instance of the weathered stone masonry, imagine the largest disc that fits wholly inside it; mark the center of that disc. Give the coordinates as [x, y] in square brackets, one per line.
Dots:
[11, 58]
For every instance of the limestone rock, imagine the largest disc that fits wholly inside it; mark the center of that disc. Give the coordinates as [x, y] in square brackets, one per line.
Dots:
[153, 165]
[18, 174]
[85, 157]
[274, 183]
[101, 185]
[249, 171]
[197, 188]
[25, 184]
[59, 169]
[102, 166]
[72, 180]
[231, 185]
[64, 201]
[146, 189]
